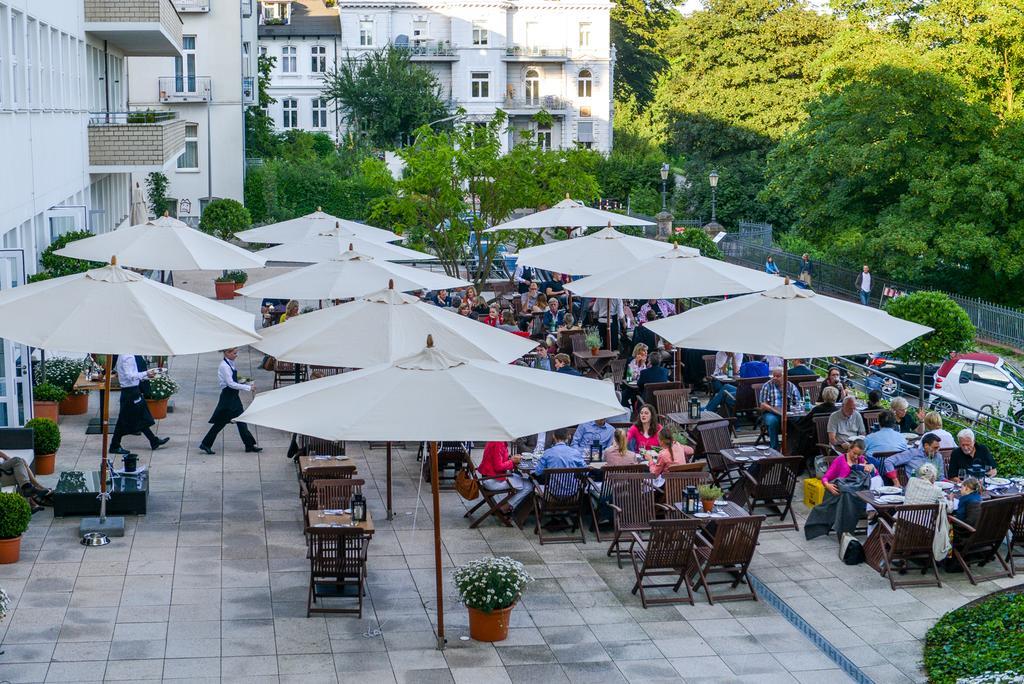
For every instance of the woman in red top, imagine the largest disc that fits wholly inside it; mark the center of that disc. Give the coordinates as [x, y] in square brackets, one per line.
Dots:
[497, 464]
[672, 453]
[643, 434]
[493, 318]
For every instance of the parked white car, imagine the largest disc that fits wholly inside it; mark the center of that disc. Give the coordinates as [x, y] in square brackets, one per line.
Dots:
[984, 382]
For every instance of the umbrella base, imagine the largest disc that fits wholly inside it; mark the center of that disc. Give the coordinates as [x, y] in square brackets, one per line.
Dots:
[93, 530]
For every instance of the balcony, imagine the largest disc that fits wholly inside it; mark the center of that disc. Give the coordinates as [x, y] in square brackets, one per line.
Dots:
[248, 90]
[531, 53]
[246, 8]
[433, 51]
[129, 142]
[185, 89]
[192, 5]
[139, 28]
[552, 104]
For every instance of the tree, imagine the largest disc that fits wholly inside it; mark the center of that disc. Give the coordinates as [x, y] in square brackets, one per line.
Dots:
[952, 330]
[385, 95]
[638, 32]
[698, 239]
[56, 266]
[261, 141]
[156, 193]
[223, 218]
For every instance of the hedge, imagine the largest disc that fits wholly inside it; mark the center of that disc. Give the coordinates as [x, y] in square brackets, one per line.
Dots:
[976, 639]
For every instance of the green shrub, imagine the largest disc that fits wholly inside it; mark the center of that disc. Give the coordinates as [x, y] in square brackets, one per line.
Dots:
[47, 391]
[237, 276]
[161, 387]
[63, 372]
[224, 217]
[698, 239]
[14, 515]
[40, 276]
[709, 492]
[972, 640]
[45, 435]
[1007, 447]
[58, 266]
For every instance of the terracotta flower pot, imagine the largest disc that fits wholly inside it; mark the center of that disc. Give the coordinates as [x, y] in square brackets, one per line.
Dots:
[75, 405]
[158, 408]
[45, 409]
[491, 626]
[224, 290]
[593, 351]
[708, 504]
[43, 463]
[239, 286]
[10, 550]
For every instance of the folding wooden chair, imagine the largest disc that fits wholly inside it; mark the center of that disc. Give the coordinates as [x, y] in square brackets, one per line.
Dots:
[671, 401]
[492, 498]
[306, 489]
[560, 495]
[618, 368]
[1015, 547]
[675, 488]
[322, 447]
[652, 387]
[772, 487]
[728, 552]
[981, 543]
[285, 374]
[451, 456]
[669, 552]
[812, 386]
[337, 561]
[334, 493]
[909, 538]
[870, 418]
[601, 493]
[633, 506]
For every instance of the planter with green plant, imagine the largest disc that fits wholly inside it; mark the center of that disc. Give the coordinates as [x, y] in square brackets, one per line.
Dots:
[489, 588]
[46, 397]
[15, 514]
[161, 388]
[239, 278]
[45, 442]
[224, 287]
[709, 494]
[593, 341]
[64, 373]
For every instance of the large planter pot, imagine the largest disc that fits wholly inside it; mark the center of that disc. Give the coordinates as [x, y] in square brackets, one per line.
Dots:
[158, 408]
[10, 550]
[224, 290]
[239, 286]
[43, 464]
[491, 626]
[45, 409]
[75, 405]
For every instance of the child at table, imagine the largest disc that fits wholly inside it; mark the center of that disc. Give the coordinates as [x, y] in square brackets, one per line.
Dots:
[672, 453]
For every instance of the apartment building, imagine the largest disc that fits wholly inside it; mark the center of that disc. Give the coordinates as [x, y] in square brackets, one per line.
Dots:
[209, 83]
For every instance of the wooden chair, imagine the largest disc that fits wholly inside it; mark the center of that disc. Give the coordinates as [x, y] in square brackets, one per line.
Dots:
[334, 493]
[870, 418]
[728, 552]
[908, 538]
[746, 398]
[633, 506]
[762, 429]
[337, 561]
[1015, 547]
[827, 451]
[322, 447]
[675, 488]
[306, 487]
[451, 456]
[709, 369]
[946, 454]
[284, 373]
[579, 344]
[601, 495]
[773, 488]
[668, 401]
[618, 368]
[981, 543]
[812, 386]
[901, 471]
[316, 372]
[669, 552]
[492, 498]
[712, 438]
[566, 344]
[561, 495]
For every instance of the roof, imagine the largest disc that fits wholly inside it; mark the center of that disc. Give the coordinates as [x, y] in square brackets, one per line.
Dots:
[309, 18]
[948, 364]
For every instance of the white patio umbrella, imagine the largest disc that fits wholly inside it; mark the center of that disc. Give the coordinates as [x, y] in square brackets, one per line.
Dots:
[139, 211]
[318, 248]
[110, 310]
[439, 397]
[313, 224]
[788, 322]
[569, 213]
[351, 274]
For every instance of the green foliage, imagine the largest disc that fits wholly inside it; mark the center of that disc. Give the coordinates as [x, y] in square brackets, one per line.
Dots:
[63, 372]
[975, 639]
[261, 141]
[237, 276]
[385, 95]
[47, 391]
[15, 514]
[224, 217]
[491, 583]
[952, 328]
[1006, 445]
[39, 277]
[638, 29]
[709, 492]
[161, 386]
[45, 435]
[156, 193]
[593, 340]
[698, 239]
[632, 176]
[57, 266]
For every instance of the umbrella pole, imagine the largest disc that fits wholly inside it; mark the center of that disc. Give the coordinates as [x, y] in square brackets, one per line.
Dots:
[785, 402]
[437, 545]
[391, 513]
[105, 430]
[608, 312]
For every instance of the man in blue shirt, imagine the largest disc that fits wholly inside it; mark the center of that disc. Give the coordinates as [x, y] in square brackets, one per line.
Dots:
[655, 373]
[912, 459]
[564, 365]
[553, 318]
[798, 368]
[559, 455]
[595, 434]
[772, 395]
[886, 438]
[754, 368]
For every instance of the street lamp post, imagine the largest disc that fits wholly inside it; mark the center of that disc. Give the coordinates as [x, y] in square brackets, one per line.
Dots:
[664, 179]
[713, 180]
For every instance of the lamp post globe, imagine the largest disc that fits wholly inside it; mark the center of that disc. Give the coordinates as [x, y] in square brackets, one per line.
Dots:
[664, 180]
[713, 181]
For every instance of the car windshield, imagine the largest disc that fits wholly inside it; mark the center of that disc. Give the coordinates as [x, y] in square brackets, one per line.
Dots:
[1018, 377]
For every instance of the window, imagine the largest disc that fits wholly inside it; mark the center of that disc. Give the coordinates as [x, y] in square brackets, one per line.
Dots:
[16, 49]
[585, 134]
[189, 159]
[532, 33]
[271, 11]
[544, 137]
[366, 32]
[289, 59]
[584, 34]
[532, 87]
[480, 34]
[318, 62]
[290, 112]
[990, 376]
[30, 74]
[263, 50]
[419, 29]
[584, 84]
[319, 112]
[4, 42]
[185, 67]
[479, 84]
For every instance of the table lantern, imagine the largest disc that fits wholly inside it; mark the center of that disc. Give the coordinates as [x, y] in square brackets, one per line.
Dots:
[358, 508]
[694, 408]
[690, 500]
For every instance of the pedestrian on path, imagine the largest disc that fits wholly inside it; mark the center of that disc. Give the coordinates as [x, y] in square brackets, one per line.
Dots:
[229, 406]
[864, 285]
[806, 270]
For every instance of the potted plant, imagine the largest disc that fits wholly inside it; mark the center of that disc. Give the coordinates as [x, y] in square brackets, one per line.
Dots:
[238, 278]
[225, 287]
[593, 341]
[160, 389]
[490, 588]
[45, 442]
[14, 516]
[45, 398]
[64, 373]
[709, 494]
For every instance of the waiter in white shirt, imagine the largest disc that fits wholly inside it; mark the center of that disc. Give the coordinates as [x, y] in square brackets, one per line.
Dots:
[522, 276]
[134, 416]
[229, 406]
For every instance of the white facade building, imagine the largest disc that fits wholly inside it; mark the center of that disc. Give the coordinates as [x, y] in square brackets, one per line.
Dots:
[210, 84]
[520, 56]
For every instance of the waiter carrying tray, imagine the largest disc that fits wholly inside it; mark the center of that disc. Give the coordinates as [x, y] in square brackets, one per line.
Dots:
[134, 416]
[229, 406]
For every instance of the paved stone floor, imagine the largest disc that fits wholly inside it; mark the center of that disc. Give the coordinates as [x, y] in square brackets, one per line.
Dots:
[211, 586]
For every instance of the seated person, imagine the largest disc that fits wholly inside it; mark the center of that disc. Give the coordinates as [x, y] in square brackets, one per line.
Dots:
[480, 307]
[493, 317]
[922, 490]
[442, 298]
[798, 368]
[268, 307]
[559, 455]
[807, 430]
[874, 401]
[672, 453]
[933, 424]
[970, 454]
[563, 364]
[497, 466]
[771, 398]
[553, 289]
[553, 317]
[291, 310]
[913, 459]
[618, 453]
[593, 437]
[541, 305]
[968, 510]
[661, 308]
[726, 395]
[508, 321]
[465, 310]
[529, 299]
[15, 471]
[834, 379]
[543, 361]
[845, 425]
[886, 438]
[653, 374]
[643, 335]
[643, 434]
[843, 465]
[639, 362]
[906, 421]
[754, 367]
[569, 323]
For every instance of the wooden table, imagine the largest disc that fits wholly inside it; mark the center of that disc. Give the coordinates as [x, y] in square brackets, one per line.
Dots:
[731, 510]
[592, 364]
[312, 463]
[315, 518]
[740, 456]
[684, 420]
[84, 384]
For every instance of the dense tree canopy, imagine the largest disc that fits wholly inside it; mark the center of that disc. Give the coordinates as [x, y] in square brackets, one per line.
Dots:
[638, 31]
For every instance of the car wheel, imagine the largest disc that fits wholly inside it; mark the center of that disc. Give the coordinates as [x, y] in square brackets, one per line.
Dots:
[890, 386]
[944, 407]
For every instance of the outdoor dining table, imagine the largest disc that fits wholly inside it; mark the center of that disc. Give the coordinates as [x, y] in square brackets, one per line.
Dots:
[594, 365]
[312, 463]
[726, 509]
[684, 420]
[317, 518]
[86, 384]
[744, 456]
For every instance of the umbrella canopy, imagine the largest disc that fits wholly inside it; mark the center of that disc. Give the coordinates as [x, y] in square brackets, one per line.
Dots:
[139, 212]
[789, 322]
[351, 274]
[163, 244]
[383, 327]
[569, 212]
[313, 224]
[110, 310]
[319, 248]
[605, 250]
[677, 273]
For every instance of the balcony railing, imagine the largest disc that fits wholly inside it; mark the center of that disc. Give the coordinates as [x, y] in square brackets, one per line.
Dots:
[134, 141]
[147, 116]
[550, 103]
[192, 5]
[246, 8]
[248, 90]
[440, 49]
[185, 89]
[534, 52]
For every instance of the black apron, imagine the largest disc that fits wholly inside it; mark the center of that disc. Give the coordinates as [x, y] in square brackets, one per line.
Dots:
[229, 406]
[528, 277]
[134, 414]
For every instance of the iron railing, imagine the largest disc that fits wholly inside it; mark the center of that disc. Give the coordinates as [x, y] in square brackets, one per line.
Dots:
[185, 88]
[546, 102]
[140, 117]
[533, 51]
[436, 49]
[192, 5]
